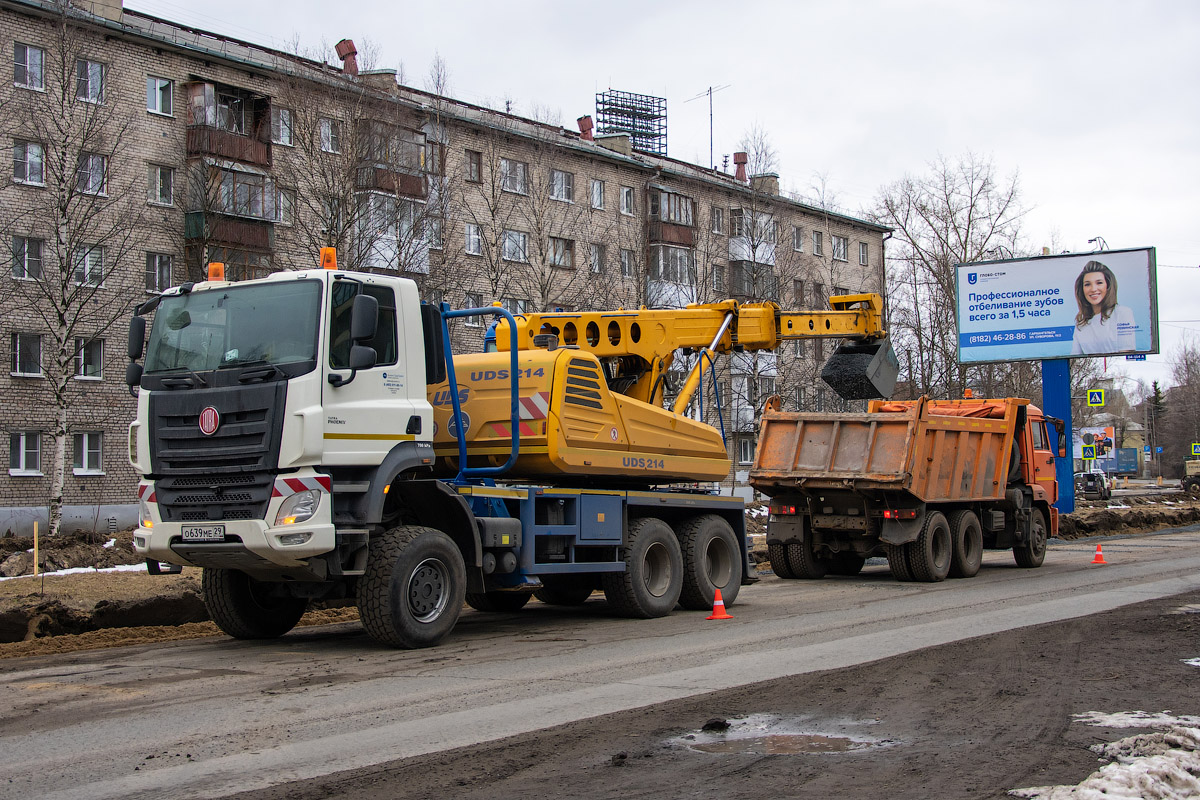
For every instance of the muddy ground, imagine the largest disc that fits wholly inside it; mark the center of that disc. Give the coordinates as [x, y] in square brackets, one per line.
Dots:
[971, 719]
[62, 613]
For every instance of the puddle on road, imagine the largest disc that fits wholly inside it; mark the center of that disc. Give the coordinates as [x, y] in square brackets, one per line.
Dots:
[766, 734]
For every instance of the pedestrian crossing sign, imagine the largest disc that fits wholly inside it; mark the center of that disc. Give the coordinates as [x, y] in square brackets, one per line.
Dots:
[1089, 451]
[1095, 397]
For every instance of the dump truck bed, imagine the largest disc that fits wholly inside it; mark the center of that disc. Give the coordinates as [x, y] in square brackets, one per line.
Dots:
[938, 451]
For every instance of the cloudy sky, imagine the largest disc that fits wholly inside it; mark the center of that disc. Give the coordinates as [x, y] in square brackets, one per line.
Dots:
[1093, 104]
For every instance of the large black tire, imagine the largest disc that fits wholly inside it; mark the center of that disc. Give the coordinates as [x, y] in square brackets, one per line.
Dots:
[801, 558]
[1033, 552]
[653, 576]
[246, 608]
[846, 564]
[566, 590]
[498, 601]
[967, 536]
[1192, 487]
[414, 587]
[897, 556]
[712, 560]
[777, 553]
[929, 556]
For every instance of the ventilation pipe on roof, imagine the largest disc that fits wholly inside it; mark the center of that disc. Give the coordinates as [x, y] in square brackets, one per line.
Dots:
[346, 51]
[585, 128]
[739, 160]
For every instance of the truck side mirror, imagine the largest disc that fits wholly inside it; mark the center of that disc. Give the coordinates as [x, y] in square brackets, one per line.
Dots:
[133, 375]
[364, 318]
[137, 337]
[362, 357]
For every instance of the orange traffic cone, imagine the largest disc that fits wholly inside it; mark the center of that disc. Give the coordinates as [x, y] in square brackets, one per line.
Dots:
[1099, 559]
[718, 608]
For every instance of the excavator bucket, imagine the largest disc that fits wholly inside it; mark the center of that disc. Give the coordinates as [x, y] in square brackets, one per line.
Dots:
[862, 370]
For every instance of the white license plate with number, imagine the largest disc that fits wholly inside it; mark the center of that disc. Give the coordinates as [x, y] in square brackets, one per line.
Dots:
[204, 533]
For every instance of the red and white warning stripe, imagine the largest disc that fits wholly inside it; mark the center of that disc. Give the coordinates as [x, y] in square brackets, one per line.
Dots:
[286, 486]
[535, 407]
[146, 492]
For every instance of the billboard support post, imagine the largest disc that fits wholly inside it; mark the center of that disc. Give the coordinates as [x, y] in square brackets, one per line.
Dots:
[1056, 401]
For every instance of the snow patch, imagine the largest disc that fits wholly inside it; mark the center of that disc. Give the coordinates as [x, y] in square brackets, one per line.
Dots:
[110, 543]
[1192, 609]
[1136, 719]
[1192, 662]
[757, 511]
[77, 570]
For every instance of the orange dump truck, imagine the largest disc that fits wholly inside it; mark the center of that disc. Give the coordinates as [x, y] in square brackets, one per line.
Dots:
[927, 483]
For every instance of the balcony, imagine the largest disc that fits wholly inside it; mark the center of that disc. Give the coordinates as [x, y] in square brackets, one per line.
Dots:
[406, 184]
[207, 140]
[220, 229]
[670, 233]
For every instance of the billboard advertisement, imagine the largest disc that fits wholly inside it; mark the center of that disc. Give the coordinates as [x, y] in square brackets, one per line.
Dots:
[1066, 306]
[1099, 438]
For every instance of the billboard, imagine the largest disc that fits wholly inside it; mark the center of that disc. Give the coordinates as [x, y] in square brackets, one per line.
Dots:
[1100, 439]
[1066, 306]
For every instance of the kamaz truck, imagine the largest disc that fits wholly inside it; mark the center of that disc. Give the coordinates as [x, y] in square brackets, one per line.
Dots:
[308, 436]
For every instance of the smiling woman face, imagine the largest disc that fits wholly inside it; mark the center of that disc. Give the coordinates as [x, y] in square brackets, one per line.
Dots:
[1095, 286]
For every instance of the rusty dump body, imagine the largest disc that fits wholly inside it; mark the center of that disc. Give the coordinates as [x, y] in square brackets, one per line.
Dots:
[935, 450]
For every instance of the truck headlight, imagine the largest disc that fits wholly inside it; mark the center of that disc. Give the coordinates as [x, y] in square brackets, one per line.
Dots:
[298, 507]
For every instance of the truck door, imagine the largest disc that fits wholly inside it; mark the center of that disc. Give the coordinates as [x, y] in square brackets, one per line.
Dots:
[1042, 458]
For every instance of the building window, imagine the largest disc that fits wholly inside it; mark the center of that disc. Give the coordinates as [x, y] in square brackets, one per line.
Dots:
[158, 271]
[162, 185]
[474, 243]
[818, 247]
[89, 266]
[25, 453]
[231, 112]
[798, 293]
[331, 135]
[673, 265]
[515, 305]
[26, 354]
[562, 185]
[435, 231]
[474, 300]
[841, 247]
[89, 358]
[27, 258]
[718, 221]
[797, 238]
[29, 66]
[745, 451]
[29, 163]
[737, 222]
[773, 232]
[719, 279]
[626, 263]
[840, 290]
[599, 253]
[247, 194]
[562, 252]
[627, 205]
[671, 207]
[863, 252]
[474, 166]
[819, 297]
[516, 246]
[514, 176]
[90, 175]
[160, 95]
[799, 353]
[89, 81]
[89, 453]
[282, 126]
[597, 193]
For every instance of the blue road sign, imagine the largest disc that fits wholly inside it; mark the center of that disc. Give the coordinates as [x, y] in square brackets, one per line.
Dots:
[1087, 451]
[1136, 357]
[1095, 397]
[1158, 449]
[1196, 448]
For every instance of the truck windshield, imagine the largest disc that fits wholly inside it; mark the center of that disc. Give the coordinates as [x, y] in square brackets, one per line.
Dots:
[272, 323]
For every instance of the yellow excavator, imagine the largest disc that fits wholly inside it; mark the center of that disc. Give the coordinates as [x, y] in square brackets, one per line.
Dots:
[592, 387]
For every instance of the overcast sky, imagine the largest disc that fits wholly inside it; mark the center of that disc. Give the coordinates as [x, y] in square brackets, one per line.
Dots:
[1093, 104]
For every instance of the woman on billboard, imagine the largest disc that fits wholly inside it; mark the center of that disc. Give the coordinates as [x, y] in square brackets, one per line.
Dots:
[1101, 326]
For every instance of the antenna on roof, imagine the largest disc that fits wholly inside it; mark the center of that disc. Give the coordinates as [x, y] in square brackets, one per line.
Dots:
[709, 91]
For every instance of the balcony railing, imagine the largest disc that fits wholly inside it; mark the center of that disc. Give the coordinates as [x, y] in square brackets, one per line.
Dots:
[219, 229]
[205, 140]
[669, 233]
[408, 184]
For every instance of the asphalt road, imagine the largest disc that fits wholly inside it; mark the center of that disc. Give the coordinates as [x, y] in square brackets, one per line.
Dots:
[208, 718]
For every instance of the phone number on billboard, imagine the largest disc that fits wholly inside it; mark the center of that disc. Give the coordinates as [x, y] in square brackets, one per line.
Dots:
[997, 338]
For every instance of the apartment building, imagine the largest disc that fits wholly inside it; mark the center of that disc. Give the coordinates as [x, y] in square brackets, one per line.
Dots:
[143, 149]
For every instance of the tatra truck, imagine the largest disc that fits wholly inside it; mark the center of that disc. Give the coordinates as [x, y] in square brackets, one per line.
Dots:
[927, 483]
[309, 436]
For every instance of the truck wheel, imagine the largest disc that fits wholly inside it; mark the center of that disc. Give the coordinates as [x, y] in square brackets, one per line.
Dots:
[1033, 552]
[246, 608]
[413, 589]
[777, 553]
[566, 590]
[711, 560]
[653, 576]
[967, 536]
[1193, 489]
[498, 601]
[897, 556]
[846, 564]
[929, 555]
[803, 560]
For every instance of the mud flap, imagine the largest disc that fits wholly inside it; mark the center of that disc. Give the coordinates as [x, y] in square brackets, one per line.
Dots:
[900, 531]
[862, 370]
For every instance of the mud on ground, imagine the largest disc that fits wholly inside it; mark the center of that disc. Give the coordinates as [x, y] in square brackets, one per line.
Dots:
[90, 610]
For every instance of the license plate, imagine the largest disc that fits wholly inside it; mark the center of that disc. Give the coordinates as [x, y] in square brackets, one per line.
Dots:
[204, 533]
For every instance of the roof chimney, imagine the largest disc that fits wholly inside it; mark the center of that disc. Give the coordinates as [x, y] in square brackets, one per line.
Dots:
[739, 160]
[346, 51]
[585, 128]
[767, 183]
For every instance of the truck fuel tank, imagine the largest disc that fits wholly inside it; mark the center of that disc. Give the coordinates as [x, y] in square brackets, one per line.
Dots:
[862, 370]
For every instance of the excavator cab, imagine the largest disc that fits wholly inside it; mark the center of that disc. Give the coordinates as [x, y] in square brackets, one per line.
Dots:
[862, 370]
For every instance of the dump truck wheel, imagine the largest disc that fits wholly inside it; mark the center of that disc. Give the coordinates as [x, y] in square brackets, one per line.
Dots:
[967, 536]
[846, 564]
[248, 609]
[777, 554]
[929, 556]
[653, 576]
[712, 560]
[414, 587]
[1193, 490]
[498, 601]
[1033, 552]
[803, 560]
[897, 556]
[566, 590]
